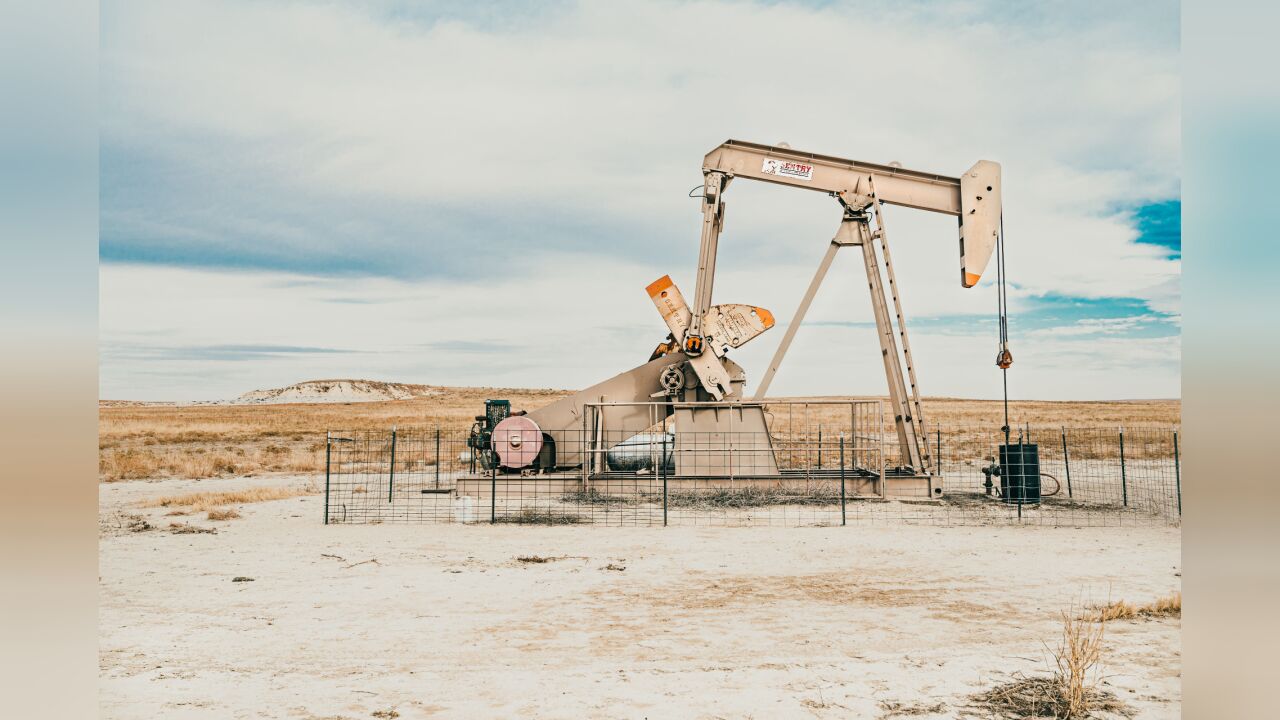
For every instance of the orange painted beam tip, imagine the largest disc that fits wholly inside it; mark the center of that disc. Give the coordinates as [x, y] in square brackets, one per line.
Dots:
[970, 279]
[659, 285]
[766, 317]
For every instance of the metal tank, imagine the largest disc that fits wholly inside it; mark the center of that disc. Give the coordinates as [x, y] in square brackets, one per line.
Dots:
[641, 452]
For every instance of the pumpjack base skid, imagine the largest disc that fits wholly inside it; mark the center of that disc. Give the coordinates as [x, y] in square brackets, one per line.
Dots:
[893, 485]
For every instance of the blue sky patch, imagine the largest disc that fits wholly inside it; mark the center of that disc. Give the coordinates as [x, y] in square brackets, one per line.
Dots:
[1160, 224]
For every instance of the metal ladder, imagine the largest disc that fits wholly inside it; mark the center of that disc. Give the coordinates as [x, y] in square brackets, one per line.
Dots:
[917, 417]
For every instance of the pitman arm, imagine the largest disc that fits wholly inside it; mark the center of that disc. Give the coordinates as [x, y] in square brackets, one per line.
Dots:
[671, 305]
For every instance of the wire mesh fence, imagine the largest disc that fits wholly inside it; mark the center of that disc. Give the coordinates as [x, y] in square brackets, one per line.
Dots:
[789, 474]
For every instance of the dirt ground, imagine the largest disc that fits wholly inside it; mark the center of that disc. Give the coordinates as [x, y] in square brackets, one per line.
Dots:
[417, 621]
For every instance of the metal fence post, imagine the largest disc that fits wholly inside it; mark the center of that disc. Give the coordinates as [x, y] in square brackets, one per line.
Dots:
[844, 518]
[1177, 471]
[1124, 479]
[937, 463]
[1066, 459]
[664, 477]
[328, 443]
[391, 478]
[820, 447]
[437, 457]
[493, 492]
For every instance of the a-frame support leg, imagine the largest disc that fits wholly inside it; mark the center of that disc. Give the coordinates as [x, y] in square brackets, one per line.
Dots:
[856, 224]
[799, 317]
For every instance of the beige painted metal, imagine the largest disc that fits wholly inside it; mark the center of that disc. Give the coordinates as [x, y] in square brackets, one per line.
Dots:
[790, 335]
[675, 312]
[737, 379]
[732, 325]
[724, 326]
[979, 219]
[717, 440]
[966, 197]
[974, 198]
[921, 434]
[855, 226]
[519, 488]
[671, 305]
[714, 185]
[563, 419]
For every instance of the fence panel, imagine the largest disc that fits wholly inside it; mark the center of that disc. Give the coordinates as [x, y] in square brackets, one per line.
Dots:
[795, 474]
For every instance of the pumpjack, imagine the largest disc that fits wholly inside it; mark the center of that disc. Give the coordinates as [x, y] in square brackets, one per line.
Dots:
[690, 376]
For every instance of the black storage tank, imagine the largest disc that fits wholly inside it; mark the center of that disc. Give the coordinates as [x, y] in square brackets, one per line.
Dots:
[1020, 473]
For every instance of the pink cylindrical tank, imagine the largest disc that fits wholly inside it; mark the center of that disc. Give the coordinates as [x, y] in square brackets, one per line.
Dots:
[517, 440]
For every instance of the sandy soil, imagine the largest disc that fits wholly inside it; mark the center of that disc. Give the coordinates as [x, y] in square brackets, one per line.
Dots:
[625, 622]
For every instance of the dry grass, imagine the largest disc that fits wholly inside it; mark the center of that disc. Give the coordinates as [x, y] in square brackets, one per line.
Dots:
[1072, 691]
[138, 441]
[957, 411]
[184, 529]
[897, 709]
[209, 501]
[749, 497]
[1168, 606]
[120, 522]
[202, 462]
[1077, 658]
[531, 516]
[1042, 697]
[595, 497]
[227, 514]
[537, 559]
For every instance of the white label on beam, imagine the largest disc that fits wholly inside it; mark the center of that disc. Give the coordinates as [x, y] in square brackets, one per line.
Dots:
[786, 168]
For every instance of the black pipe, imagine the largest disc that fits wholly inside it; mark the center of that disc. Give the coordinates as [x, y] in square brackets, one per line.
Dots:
[1124, 480]
[1066, 459]
[391, 479]
[327, 445]
[844, 519]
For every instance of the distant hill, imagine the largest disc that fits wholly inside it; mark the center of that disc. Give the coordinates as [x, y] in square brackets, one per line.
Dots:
[336, 391]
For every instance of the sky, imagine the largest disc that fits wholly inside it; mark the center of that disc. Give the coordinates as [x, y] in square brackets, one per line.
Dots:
[478, 193]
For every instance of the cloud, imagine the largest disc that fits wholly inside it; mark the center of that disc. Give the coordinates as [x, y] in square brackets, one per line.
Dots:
[470, 346]
[220, 353]
[1126, 326]
[329, 138]
[526, 168]
[518, 332]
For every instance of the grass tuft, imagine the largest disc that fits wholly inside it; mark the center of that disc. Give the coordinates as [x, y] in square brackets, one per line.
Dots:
[1071, 692]
[539, 517]
[1168, 606]
[1043, 697]
[227, 514]
[184, 529]
[1077, 658]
